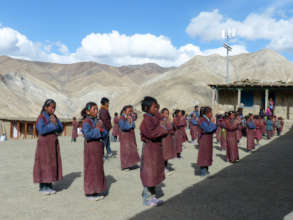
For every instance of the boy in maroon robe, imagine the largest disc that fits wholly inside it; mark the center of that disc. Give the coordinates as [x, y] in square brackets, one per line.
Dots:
[250, 129]
[48, 164]
[116, 128]
[179, 124]
[207, 128]
[128, 148]
[74, 129]
[94, 133]
[231, 125]
[152, 130]
[259, 129]
[168, 144]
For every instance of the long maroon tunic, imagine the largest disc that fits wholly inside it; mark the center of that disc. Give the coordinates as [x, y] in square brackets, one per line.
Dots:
[128, 148]
[205, 141]
[74, 129]
[168, 143]
[48, 164]
[259, 129]
[193, 130]
[152, 164]
[179, 133]
[239, 132]
[115, 131]
[250, 138]
[218, 131]
[94, 177]
[232, 153]
[223, 135]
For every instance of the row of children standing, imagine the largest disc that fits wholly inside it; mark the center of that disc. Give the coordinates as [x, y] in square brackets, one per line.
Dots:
[162, 140]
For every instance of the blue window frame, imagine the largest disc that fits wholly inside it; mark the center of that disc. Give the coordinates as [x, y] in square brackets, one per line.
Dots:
[247, 98]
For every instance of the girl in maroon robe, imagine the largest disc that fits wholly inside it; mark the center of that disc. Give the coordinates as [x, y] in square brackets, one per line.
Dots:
[259, 129]
[219, 119]
[239, 129]
[152, 130]
[193, 126]
[223, 133]
[128, 148]
[207, 128]
[250, 129]
[168, 144]
[74, 129]
[179, 124]
[94, 133]
[231, 125]
[184, 128]
[116, 128]
[48, 165]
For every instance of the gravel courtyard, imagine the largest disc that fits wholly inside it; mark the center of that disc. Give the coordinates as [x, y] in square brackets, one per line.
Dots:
[230, 192]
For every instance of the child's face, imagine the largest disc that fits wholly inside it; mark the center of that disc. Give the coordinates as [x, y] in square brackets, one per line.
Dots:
[179, 114]
[128, 111]
[166, 114]
[50, 109]
[210, 114]
[153, 109]
[232, 116]
[93, 111]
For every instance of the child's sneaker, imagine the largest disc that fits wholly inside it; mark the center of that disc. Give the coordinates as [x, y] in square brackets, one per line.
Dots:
[157, 201]
[45, 191]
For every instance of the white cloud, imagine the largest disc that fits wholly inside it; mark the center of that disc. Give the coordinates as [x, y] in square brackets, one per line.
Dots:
[109, 48]
[208, 26]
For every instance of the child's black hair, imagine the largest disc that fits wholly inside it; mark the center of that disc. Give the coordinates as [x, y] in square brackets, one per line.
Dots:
[125, 107]
[116, 114]
[183, 112]
[74, 118]
[176, 113]
[47, 103]
[87, 107]
[104, 101]
[164, 109]
[205, 110]
[147, 102]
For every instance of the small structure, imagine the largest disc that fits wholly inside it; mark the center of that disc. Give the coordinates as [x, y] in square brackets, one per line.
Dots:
[252, 95]
[16, 127]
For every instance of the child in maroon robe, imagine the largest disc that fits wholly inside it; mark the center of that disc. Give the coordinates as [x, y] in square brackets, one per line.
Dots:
[259, 129]
[223, 133]
[219, 119]
[128, 148]
[269, 127]
[48, 164]
[231, 125]
[94, 133]
[115, 132]
[74, 129]
[184, 118]
[250, 129]
[207, 128]
[193, 126]
[179, 124]
[239, 130]
[152, 130]
[168, 144]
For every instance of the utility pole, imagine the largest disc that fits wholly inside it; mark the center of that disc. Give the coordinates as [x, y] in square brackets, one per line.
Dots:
[227, 35]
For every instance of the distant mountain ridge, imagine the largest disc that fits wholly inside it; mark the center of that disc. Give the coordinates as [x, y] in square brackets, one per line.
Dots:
[24, 85]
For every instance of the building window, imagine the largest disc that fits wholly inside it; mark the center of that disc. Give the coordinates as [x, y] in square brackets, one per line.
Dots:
[247, 98]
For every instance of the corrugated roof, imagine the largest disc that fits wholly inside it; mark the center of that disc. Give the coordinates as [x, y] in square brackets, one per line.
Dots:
[253, 84]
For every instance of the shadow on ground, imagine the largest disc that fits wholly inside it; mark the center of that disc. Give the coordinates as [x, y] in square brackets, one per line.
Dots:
[259, 187]
[66, 182]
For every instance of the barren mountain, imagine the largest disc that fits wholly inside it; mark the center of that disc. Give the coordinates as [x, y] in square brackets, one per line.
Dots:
[24, 85]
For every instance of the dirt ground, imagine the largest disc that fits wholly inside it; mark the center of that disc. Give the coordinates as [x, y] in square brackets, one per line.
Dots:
[184, 191]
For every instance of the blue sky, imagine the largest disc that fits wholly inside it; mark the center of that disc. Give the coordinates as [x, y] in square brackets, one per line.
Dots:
[167, 32]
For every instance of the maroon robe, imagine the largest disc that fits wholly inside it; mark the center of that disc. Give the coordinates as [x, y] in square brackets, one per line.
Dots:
[74, 129]
[205, 151]
[169, 144]
[94, 177]
[193, 130]
[250, 133]
[232, 153]
[239, 132]
[259, 130]
[263, 126]
[152, 163]
[48, 164]
[223, 135]
[179, 133]
[274, 127]
[116, 129]
[128, 148]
